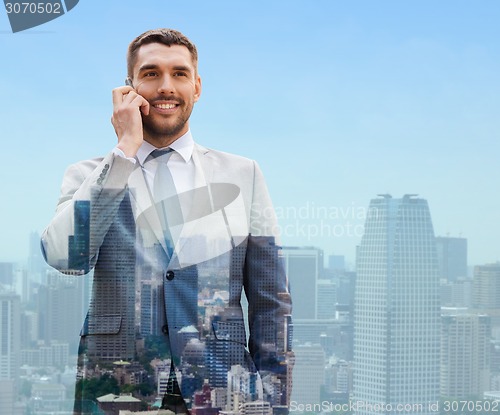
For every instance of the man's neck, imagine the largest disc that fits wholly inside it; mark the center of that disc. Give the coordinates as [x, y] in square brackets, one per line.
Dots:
[164, 140]
[182, 145]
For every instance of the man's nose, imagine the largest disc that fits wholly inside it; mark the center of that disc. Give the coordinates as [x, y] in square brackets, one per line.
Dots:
[166, 85]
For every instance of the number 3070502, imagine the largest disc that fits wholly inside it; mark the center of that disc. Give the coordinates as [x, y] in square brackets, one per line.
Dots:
[471, 406]
[33, 8]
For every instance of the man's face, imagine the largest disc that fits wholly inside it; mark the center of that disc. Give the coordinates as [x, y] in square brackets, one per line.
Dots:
[166, 77]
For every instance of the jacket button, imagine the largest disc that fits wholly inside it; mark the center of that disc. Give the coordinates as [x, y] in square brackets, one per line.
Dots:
[164, 329]
[170, 275]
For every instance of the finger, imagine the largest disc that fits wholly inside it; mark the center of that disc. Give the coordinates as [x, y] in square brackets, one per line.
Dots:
[129, 97]
[139, 101]
[133, 98]
[144, 106]
[119, 92]
[136, 100]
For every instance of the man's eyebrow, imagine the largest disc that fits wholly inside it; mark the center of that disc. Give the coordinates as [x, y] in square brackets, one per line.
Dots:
[150, 66]
[147, 67]
[182, 68]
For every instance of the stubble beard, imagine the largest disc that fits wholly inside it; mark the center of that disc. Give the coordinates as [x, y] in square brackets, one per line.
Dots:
[163, 133]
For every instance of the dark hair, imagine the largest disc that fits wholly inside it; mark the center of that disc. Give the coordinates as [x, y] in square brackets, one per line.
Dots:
[165, 36]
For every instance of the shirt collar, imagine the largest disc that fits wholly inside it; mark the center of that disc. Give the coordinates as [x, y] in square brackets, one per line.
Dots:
[184, 146]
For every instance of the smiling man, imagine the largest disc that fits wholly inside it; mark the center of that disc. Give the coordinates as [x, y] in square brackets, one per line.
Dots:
[176, 236]
[164, 83]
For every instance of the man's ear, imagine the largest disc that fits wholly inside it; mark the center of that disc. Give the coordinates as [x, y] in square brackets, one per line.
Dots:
[197, 88]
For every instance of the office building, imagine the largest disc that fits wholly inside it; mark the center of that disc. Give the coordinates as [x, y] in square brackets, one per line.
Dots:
[308, 374]
[62, 307]
[486, 295]
[303, 268]
[79, 243]
[452, 257]
[10, 335]
[327, 298]
[7, 273]
[114, 311]
[36, 264]
[10, 348]
[397, 311]
[465, 354]
[486, 287]
[456, 293]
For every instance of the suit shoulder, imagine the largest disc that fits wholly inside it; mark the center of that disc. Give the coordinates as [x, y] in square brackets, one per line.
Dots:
[228, 158]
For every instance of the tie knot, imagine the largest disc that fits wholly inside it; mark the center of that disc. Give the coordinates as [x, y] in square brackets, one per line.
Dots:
[160, 154]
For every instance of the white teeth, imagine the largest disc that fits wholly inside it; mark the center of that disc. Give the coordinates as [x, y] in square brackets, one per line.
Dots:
[165, 106]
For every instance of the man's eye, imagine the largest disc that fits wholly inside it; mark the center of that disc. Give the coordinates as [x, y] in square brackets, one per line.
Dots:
[180, 73]
[149, 74]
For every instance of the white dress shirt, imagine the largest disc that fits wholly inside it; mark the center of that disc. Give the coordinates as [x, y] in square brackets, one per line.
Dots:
[180, 163]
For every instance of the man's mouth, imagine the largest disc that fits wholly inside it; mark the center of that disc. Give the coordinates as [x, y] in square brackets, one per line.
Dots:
[165, 106]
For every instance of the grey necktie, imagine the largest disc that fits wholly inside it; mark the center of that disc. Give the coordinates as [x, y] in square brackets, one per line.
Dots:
[169, 212]
[165, 196]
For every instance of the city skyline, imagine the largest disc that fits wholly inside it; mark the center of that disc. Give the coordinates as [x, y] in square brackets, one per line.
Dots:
[320, 215]
[393, 97]
[317, 336]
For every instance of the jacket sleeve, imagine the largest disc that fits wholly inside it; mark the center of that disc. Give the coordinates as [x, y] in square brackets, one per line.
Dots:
[266, 288]
[91, 193]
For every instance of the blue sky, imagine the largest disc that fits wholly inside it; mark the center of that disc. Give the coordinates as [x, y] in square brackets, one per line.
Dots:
[337, 100]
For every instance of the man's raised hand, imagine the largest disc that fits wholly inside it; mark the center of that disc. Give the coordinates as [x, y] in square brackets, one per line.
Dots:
[127, 119]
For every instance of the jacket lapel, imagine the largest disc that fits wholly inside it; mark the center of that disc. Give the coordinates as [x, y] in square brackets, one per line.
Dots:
[215, 215]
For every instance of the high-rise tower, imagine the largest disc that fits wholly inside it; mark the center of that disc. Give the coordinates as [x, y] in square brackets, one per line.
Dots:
[10, 348]
[452, 257]
[303, 268]
[10, 335]
[79, 243]
[486, 287]
[397, 313]
[465, 353]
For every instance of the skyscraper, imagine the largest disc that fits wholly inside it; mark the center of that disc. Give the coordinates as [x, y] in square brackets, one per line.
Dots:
[452, 257]
[10, 335]
[465, 354]
[486, 287]
[303, 267]
[63, 310]
[486, 295]
[115, 312]
[10, 349]
[326, 299]
[308, 374]
[36, 264]
[7, 273]
[397, 313]
[79, 243]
